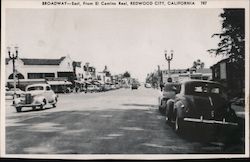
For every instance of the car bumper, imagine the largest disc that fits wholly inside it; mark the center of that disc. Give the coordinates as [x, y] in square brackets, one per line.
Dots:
[223, 122]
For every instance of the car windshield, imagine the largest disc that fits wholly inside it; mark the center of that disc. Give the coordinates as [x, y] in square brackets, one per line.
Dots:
[172, 87]
[204, 88]
[36, 88]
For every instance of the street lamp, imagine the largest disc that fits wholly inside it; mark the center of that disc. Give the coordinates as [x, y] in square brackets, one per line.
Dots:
[13, 56]
[169, 58]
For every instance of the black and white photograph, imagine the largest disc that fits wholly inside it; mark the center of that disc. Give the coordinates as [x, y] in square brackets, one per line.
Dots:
[125, 79]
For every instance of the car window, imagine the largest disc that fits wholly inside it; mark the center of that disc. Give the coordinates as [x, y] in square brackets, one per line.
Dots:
[47, 88]
[215, 90]
[203, 89]
[172, 87]
[35, 88]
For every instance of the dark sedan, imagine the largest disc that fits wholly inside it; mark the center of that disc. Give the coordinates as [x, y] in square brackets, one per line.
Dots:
[202, 102]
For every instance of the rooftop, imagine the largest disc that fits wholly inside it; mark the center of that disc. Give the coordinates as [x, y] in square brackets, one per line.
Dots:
[27, 61]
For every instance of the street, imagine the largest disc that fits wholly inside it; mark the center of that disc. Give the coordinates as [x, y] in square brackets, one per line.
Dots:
[122, 121]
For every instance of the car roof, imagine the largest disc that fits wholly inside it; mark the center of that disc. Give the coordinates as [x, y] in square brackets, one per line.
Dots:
[199, 81]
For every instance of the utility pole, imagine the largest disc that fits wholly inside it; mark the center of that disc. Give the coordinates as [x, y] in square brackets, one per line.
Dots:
[13, 57]
[169, 58]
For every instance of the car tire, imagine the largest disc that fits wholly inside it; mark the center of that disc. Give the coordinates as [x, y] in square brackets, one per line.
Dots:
[161, 107]
[169, 113]
[169, 117]
[33, 107]
[54, 104]
[18, 109]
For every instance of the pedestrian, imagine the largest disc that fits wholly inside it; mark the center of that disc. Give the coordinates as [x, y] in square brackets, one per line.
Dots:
[161, 85]
[86, 87]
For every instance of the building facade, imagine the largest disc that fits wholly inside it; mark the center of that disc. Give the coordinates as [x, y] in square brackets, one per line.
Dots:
[31, 71]
[227, 73]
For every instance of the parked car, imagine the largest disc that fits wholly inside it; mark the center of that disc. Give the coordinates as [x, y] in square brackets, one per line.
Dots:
[112, 86]
[9, 93]
[91, 88]
[147, 85]
[169, 91]
[134, 86]
[36, 95]
[203, 102]
[107, 87]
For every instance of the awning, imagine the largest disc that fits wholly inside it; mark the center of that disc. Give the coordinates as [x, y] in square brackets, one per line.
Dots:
[86, 82]
[79, 81]
[59, 82]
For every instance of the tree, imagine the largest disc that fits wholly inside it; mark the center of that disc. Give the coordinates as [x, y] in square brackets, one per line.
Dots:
[198, 64]
[126, 75]
[232, 38]
[232, 41]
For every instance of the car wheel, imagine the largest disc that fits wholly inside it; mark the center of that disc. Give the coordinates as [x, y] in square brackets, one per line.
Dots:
[54, 104]
[18, 109]
[169, 117]
[169, 113]
[33, 107]
[160, 107]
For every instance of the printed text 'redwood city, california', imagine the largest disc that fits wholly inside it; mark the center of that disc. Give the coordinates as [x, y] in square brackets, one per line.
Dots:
[116, 3]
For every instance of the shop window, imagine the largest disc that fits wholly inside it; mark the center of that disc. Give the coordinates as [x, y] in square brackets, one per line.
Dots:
[40, 75]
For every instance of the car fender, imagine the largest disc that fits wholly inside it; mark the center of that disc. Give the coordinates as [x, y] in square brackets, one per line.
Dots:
[54, 96]
[179, 109]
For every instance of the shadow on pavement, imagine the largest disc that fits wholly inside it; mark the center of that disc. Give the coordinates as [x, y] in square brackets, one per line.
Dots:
[230, 139]
[25, 110]
[105, 131]
[143, 105]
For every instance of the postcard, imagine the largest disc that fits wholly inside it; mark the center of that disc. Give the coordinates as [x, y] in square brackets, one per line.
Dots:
[135, 79]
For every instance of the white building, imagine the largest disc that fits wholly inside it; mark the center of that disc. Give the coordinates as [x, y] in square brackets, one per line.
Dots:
[37, 70]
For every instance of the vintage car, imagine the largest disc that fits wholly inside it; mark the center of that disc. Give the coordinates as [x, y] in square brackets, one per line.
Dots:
[91, 88]
[169, 91]
[134, 86]
[36, 95]
[203, 102]
[148, 85]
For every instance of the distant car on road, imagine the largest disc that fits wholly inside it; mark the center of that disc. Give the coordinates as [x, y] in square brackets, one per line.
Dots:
[239, 102]
[147, 85]
[112, 86]
[169, 92]
[203, 102]
[36, 95]
[134, 86]
[92, 88]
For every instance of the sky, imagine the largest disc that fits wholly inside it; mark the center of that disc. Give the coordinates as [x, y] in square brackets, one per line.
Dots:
[124, 39]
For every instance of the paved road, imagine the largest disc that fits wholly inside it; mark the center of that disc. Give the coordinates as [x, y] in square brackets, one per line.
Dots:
[120, 121]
